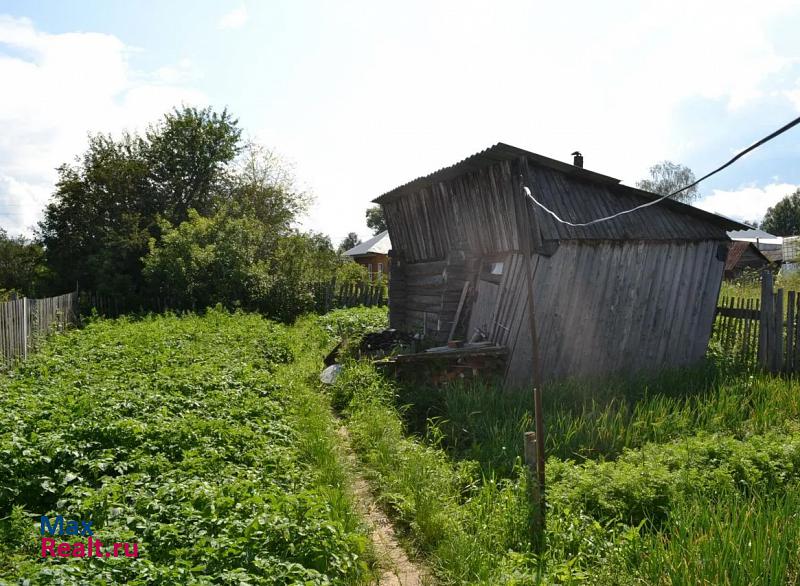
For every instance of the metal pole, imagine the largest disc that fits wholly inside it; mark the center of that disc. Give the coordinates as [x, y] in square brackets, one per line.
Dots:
[525, 227]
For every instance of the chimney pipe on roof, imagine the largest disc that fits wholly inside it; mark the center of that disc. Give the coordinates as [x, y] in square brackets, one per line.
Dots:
[577, 159]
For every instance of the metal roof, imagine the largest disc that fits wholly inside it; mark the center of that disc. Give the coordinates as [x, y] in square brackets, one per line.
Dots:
[378, 244]
[504, 152]
[737, 249]
[755, 235]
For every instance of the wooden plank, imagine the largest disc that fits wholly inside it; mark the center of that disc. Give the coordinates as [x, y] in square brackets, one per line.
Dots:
[457, 316]
[766, 319]
[790, 305]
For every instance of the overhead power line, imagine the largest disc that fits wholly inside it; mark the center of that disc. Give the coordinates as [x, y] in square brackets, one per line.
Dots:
[752, 147]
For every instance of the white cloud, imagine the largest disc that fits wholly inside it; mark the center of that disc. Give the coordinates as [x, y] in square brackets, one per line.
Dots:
[234, 19]
[63, 86]
[746, 203]
[184, 71]
[609, 81]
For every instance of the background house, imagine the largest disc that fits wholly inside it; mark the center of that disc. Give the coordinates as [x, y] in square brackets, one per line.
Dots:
[743, 255]
[373, 254]
[771, 246]
[638, 292]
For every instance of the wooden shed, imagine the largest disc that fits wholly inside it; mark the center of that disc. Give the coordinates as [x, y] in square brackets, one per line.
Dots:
[634, 293]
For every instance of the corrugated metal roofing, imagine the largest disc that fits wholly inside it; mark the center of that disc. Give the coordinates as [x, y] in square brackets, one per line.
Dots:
[753, 235]
[378, 244]
[576, 194]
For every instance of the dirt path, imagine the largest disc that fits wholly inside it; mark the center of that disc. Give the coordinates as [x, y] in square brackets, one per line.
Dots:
[396, 568]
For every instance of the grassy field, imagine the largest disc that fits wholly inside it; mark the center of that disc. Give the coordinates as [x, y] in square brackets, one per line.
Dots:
[692, 478]
[202, 439]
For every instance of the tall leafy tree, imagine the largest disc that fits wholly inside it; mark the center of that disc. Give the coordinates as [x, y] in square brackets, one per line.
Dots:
[187, 154]
[667, 177]
[376, 220]
[106, 204]
[261, 185]
[349, 242]
[783, 219]
[21, 265]
[95, 229]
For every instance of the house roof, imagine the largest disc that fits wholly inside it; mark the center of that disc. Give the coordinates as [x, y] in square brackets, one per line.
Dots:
[753, 235]
[615, 196]
[737, 250]
[378, 244]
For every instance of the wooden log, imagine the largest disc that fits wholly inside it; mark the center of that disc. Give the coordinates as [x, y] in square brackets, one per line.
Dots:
[425, 268]
[459, 308]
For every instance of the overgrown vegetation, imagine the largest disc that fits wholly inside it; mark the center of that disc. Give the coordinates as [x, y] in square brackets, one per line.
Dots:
[197, 437]
[208, 441]
[681, 479]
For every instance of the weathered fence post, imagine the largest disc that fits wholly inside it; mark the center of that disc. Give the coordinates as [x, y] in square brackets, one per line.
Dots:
[766, 321]
[777, 356]
[788, 364]
[24, 328]
[531, 461]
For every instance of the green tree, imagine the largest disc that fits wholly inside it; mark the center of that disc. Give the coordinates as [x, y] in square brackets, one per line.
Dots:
[376, 220]
[95, 229]
[204, 261]
[187, 154]
[106, 204]
[667, 177]
[783, 219]
[189, 212]
[21, 265]
[208, 260]
[349, 242]
[351, 272]
[262, 185]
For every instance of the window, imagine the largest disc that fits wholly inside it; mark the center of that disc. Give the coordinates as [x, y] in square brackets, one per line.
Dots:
[380, 268]
[492, 269]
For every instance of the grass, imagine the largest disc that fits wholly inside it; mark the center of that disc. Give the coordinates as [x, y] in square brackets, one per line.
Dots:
[630, 472]
[200, 438]
[483, 423]
[754, 540]
[748, 284]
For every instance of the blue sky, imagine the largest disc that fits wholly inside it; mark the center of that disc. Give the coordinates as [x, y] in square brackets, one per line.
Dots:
[363, 96]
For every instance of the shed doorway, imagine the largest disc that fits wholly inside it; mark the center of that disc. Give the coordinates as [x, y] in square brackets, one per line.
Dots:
[487, 292]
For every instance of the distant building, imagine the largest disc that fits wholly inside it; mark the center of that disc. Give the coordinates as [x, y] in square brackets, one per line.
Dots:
[741, 256]
[771, 246]
[373, 254]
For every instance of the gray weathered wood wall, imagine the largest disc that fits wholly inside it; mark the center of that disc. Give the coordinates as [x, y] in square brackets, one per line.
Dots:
[611, 307]
[636, 293]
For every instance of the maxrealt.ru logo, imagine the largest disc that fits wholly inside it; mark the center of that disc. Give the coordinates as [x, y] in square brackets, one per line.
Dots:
[78, 549]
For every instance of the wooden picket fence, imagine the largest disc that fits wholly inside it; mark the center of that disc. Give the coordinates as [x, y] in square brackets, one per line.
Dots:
[110, 306]
[763, 332]
[327, 295]
[331, 295]
[25, 322]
